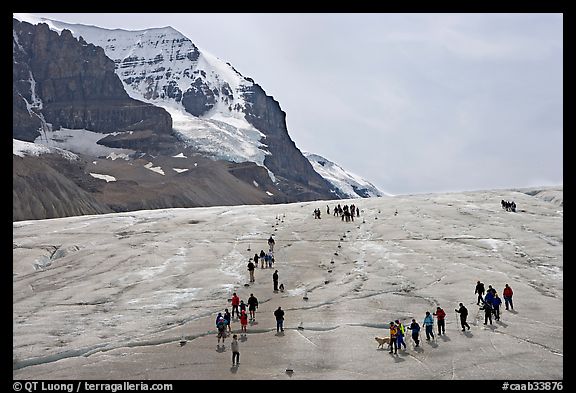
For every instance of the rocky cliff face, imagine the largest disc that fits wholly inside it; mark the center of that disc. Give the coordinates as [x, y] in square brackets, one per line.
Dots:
[286, 160]
[60, 81]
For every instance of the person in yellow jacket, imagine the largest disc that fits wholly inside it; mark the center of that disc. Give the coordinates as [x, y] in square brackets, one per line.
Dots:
[400, 335]
[393, 337]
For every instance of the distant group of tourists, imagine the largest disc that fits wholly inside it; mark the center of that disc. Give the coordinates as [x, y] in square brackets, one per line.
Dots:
[347, 213]
[266, 259]
[317, 213]
[508, 206]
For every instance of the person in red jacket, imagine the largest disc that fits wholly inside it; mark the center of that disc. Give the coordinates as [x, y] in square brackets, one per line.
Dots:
[440, 315]
[507, 293]
[235, 304]
[243, 322]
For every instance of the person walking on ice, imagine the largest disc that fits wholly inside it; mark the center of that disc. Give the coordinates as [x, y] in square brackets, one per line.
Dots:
[428, 325]
[415, 331]
[251, 269]
[243, 322]
[507, 293]
[228, 320]
[235, 304]
[252, 306]
[271, 243]
[235, 346]
[275, 280]
[441, 315]
[487, 307]
[221, 326]
[279, 314]
[463, 311]
[480, 291]
[496, 302]
[393, 338]
[401, 334]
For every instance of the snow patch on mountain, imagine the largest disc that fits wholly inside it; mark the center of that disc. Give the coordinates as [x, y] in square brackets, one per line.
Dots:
[22, 148]
[108, 178]
[80, 141]
[348, 183]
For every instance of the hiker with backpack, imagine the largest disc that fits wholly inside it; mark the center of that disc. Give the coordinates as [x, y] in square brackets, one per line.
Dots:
[221, 326]
[428, 325]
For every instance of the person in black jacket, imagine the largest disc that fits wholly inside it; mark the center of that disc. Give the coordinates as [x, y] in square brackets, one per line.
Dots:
[275, 280]
[480, 291]
[252, 306]
[463, 311]
[251, 270]
[415, 331]
[487, 307]
[279, 314]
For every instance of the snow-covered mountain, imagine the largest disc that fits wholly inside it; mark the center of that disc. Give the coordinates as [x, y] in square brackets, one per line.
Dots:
[147, 96]
[214, 109]
[351, 185]
[163, 67]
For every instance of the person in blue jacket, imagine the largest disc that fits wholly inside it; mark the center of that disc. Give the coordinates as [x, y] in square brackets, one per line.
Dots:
[428, 325]
[489, 296]
[496, 302]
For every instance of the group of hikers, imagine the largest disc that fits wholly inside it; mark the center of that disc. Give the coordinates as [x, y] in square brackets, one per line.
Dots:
[491, 301]
[266, 259]
[224, 320]
[508, 206]
[346, 212]
[490, 304]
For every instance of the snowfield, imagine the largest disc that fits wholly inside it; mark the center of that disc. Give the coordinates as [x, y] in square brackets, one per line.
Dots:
[114, 296]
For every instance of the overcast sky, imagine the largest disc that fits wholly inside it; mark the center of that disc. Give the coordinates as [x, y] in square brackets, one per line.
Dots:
[414, 103]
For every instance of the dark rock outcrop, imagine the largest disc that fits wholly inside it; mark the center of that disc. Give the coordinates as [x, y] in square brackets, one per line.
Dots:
[69, 83]
[286, 161]
[49, 187]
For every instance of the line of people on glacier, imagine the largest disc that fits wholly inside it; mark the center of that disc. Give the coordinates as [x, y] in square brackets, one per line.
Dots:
[346, 213]
[266, 259]
[490, 304]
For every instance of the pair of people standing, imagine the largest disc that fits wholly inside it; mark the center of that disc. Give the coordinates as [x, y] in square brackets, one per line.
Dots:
[397, 332]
